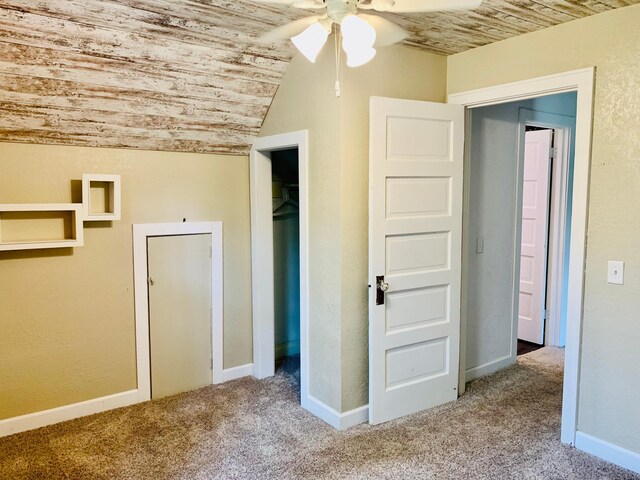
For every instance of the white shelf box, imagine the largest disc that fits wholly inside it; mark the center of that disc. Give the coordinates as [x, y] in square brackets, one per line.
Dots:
[101, 197]
[28, 226]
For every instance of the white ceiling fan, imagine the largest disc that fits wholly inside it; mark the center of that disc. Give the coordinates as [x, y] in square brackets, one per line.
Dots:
[361, 33]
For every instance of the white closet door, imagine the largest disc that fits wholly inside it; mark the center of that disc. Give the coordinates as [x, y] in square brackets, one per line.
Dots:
[179, 270]
[535, 221]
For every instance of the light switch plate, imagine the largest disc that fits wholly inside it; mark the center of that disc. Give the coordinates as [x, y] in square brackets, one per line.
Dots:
[615, 272]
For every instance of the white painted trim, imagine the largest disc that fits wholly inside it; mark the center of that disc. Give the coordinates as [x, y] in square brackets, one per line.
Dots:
[608, 451]
[582, 82]
[354, 417]
[262, 253]
[489, 367]
[31, 421]
[322, 411]
[141, 294]
[237, 372]
[340, 421]
[562, 82]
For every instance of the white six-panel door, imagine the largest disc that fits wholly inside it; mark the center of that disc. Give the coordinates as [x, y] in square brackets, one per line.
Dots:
[535, 219]
[415, 227]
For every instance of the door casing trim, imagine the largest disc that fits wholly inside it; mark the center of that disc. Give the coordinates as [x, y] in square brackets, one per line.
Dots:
[262, 255]
[141, 295]
[580, 81]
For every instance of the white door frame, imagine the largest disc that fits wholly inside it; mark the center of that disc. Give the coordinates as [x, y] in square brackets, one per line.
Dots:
[141, 294]
[563, 127]
[260, 178]
[582, 82]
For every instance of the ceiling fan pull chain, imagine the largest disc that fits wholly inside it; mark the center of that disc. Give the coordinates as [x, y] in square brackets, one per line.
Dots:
[337, 44]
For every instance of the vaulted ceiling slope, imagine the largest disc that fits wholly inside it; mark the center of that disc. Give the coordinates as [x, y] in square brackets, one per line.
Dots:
[189, 75]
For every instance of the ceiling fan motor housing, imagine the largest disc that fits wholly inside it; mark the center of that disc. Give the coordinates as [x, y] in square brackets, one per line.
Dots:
[338, 9]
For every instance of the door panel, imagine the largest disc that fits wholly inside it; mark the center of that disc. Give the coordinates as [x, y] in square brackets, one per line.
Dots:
[415, 223]
[535, 219]
[179, 270]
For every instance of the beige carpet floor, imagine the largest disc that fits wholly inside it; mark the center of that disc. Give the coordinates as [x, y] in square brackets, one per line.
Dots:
[505, 427]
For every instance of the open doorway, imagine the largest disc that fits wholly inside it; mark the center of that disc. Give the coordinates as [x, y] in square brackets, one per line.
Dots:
[534, 221]
[286, 263]
[519, 228]
[274, 158]
[547, 159]
[493, 207]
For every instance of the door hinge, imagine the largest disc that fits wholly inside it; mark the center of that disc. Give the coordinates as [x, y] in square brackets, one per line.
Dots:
[553, 152]
[150, 281]
[211, 364]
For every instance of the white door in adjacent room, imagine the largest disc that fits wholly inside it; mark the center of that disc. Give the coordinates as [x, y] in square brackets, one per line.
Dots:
[415, 229]
[535, 222]
[179, 276]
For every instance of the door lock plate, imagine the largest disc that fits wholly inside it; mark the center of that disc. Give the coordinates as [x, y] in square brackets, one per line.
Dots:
[381, 287]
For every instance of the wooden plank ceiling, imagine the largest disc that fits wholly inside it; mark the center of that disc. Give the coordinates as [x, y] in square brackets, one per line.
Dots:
[189, 75]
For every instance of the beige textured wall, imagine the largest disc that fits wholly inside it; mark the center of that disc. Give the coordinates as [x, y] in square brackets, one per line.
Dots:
[611, 331]
[338, 199]
[67, 316]
[306, 100]
[397, 72]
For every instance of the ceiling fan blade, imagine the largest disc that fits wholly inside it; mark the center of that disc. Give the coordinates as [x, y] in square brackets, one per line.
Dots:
[296, 3]
[408, 6]
[387, 33]
[308, 4]
[290, 29]
[281, 2]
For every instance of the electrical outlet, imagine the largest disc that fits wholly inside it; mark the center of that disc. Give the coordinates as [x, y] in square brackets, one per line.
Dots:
[615, 272]
[480, 245]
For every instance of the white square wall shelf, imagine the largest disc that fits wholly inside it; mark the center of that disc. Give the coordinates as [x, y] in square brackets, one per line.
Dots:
[101, 197]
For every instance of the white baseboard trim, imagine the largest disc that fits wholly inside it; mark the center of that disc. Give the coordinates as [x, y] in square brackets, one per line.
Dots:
[237, 372]
[288, 348]
[608, 451]
[340, 421]
[488, 368]
[354, 417]
[31, 421]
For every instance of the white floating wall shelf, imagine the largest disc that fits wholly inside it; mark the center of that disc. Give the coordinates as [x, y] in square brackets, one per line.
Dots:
[101, 197]
[28, 226]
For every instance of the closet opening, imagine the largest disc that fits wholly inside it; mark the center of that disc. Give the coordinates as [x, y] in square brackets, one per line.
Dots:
[286, 263]
[278, 179]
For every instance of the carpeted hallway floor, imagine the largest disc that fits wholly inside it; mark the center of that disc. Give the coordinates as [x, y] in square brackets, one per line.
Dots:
[505, 427]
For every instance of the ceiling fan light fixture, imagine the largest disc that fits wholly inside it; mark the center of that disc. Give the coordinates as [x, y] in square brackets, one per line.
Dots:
[356, 30]
[358, 37]
[359, 55]
[311, 41]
